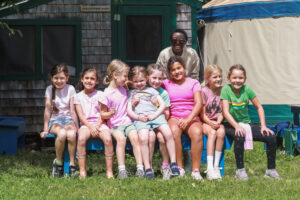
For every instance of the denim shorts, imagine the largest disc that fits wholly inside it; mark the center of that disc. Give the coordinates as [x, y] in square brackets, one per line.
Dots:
[151, 125]
[124, 129]
[61, 121]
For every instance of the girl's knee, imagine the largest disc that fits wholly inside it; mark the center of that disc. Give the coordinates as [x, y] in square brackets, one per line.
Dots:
[121, 140]
[71, 136]
[107, 140]
[62, 135]
[220, 134]
[161, 139]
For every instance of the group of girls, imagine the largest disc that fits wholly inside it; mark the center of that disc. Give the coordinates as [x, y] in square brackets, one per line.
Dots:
[155, 107]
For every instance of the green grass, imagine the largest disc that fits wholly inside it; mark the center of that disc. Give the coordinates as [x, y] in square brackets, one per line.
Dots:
[28, 176]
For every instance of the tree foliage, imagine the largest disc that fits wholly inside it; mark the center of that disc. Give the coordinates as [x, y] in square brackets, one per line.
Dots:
[3, 25]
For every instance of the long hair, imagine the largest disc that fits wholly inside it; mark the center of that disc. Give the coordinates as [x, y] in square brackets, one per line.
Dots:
[208, 72]
[86, 70]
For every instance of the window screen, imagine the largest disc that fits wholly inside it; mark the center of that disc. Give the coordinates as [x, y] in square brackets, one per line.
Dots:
[17, 53]
[58, 46]
[143, 37]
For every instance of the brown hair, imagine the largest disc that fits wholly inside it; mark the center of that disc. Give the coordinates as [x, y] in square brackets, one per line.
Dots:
[86, 70]
[55, 70]
[237, 67]
[115, 66]
[136, 70]
[173, 60]
[153, 66]
[208, 72]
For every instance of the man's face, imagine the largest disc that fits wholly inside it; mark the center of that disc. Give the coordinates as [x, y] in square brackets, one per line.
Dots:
[178, 42]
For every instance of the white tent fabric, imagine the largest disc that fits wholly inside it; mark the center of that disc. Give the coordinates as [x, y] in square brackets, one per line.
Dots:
[228, 2]
[267, 47]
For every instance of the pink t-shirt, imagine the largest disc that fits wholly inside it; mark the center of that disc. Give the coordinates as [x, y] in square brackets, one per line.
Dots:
[90, 104]
[62, 100]
[181, 96]
[212, 103]
[116, 98]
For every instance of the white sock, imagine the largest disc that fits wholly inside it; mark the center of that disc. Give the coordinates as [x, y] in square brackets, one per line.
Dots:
[210, 162]
[141, 167]
[218, 155]
[121, 167]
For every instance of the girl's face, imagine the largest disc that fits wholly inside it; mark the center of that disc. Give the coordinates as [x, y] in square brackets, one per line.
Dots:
[121, 78]
[177, 72]
[237, 79]
[89, 80]
[59, 80]
[215, 79]
[139, 82]
[155, 79]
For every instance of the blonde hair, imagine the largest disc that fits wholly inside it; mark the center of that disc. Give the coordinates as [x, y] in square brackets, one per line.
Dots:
[152, 67]
[115, 66]
[136, 70]
[208, 72]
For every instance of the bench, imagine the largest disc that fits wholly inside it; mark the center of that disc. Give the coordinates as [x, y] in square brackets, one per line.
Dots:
[12, 134]
[97, 144]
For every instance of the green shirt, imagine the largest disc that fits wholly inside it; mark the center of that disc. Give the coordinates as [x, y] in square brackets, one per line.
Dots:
[165, 96]
[238, 105]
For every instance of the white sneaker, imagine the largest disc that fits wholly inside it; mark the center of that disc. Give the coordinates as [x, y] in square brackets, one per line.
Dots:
[182, 173]
[218, 173]
[210, 174]
[272, 173]
[196, 175]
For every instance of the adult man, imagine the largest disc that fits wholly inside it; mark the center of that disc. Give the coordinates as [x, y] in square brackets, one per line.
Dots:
[178, 47]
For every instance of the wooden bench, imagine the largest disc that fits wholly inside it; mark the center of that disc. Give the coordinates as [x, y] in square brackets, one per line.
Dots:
[97, 144]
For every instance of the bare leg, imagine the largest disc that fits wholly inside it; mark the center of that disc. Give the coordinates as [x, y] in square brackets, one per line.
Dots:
[61, 136]
[71, 136]
[134, 140]
[152, 138]
[166, 131]
[120, 149]
[144, 142]
[105, 136]
[177, 132]
[83, 136]
[163, 148]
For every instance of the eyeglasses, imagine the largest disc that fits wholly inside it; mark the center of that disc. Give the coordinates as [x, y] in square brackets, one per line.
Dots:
[174, 41]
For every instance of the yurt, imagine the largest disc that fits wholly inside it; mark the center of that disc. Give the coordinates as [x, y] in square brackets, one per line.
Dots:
[263, 36]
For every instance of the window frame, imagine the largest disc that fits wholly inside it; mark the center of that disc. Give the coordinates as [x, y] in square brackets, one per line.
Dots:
[38, 23]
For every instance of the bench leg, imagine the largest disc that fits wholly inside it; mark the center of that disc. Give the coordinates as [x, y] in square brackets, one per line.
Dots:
[66, 160]
[222, 163]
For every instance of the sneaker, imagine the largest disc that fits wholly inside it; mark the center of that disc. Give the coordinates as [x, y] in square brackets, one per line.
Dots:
[123, 174]
[73, 171]
[272, 173]
[210, 174]
[196, 175]
[140, 173]
[58, 170]
[181, 173]
[149, 173]
[241, 174]
[166, 173]
[174, 169]
[218, 173]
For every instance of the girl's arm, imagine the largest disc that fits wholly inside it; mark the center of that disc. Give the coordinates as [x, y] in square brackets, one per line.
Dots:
[105, 114]
[167, 113]
[214, 124]
[220, 118]
[47, 116]
[238, 129]
[73, 112]
[160, 110]
[195, 111]
[133, 115]
[261, 115]
[84, 121]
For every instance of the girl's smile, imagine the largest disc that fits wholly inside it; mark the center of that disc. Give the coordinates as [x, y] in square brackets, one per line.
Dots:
[155, 79]
[59, 80]
[139, 82]
[215, 79]
[237, 79]
[89, 81]
[177, 72]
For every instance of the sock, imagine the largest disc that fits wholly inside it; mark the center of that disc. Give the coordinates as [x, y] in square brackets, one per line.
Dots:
[121, 167]
[165, 165]
[210, 162]
[141, 167]
[218, 155]
[59, 163]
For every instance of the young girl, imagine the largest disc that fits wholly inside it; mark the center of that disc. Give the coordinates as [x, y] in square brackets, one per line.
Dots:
[235, 98]
[185, 97]
[114, 108]
[211, 115]
[60, 117]
[87, 103]
[148, 117]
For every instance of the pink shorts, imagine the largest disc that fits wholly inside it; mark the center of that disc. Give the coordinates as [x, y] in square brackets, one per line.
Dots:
[102, 126]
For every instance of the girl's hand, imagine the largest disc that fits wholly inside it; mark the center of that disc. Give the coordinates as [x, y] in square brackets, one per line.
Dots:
[215, 125]
[239, 131]
[112, 111]
[151, 117]
[183, 123]
[154, 101]
[266, 130]
[94, 131]
[135, 100]
[143, 118]
[43, 134]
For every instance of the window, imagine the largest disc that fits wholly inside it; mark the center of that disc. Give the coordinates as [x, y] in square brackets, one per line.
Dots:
[44, 43]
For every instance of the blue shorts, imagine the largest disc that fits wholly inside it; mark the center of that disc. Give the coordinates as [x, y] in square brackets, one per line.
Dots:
[61, 121]
[150, 125]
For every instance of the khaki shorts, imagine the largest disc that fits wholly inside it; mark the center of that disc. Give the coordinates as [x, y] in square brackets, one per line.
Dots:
[124, 129]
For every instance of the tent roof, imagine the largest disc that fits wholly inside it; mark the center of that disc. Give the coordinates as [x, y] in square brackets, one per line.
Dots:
[218, 10]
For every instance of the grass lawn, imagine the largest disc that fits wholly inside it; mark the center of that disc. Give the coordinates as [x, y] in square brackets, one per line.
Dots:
[28, 176]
